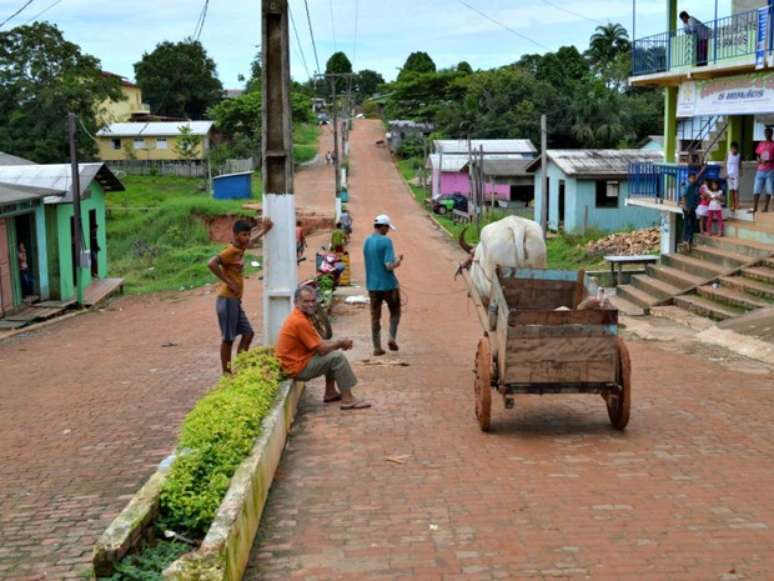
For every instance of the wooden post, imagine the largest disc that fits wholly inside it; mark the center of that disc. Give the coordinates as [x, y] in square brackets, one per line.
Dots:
[76, 191]
[544, 174]
[279, 246]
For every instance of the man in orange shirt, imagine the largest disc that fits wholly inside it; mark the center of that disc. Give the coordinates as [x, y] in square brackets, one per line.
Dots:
[228, 266]
[305, 356]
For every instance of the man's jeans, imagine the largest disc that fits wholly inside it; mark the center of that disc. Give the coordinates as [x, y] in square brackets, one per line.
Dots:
[334, 366]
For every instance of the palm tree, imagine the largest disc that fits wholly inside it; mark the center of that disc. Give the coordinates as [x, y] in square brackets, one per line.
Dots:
[606, 44]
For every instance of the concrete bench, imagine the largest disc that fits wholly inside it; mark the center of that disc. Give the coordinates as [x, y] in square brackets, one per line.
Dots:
[620, 261]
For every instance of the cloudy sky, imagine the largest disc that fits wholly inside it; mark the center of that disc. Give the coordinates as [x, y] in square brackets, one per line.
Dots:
[119, 31]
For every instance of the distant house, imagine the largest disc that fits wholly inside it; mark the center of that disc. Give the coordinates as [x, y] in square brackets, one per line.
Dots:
[588, 188]
[130, 108]
[36, 208]
[155, 140]
[450, 169]
[514, 174]
[233, 93]
[652, 143]
[399, 130]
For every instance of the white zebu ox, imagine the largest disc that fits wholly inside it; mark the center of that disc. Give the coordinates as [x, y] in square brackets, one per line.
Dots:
[512, 242]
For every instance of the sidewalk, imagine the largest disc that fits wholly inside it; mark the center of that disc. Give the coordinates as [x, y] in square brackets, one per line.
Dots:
[412, 489]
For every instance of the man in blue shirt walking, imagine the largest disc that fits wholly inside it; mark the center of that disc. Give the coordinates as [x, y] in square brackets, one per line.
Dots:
[381, 282]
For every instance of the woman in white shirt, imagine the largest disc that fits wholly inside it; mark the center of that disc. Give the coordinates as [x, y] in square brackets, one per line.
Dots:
[733, 165]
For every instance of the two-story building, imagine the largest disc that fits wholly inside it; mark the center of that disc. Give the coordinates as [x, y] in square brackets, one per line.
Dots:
[130, 108]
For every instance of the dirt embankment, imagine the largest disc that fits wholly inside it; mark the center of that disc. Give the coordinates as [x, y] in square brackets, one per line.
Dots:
[220, 227]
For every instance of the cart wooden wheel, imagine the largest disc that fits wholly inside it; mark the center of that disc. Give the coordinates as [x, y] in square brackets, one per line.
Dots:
[483, 384]
[618, 407]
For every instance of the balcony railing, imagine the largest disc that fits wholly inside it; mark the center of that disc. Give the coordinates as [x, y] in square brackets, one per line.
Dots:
[664, 182]
[725, 40]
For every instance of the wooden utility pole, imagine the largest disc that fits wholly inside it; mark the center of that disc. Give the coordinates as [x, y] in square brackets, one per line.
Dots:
[76, 192]
[544, 174]
[280, 275]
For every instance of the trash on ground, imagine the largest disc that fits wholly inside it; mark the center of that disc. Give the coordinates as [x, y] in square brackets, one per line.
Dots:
[396, 459]
[357, 300]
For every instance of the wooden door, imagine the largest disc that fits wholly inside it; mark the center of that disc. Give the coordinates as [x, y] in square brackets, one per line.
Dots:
[6, 290]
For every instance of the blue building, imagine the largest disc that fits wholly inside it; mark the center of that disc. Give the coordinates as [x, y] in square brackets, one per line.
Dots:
[588, 189]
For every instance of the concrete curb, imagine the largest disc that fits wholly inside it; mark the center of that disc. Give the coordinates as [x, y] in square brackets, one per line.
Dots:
[226, 548]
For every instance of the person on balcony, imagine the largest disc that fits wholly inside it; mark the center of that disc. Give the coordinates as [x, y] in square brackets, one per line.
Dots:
[764, 176]
[694, 26]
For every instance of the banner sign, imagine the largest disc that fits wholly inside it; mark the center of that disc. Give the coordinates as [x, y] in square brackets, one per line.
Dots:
[762, 37]
[740, 95]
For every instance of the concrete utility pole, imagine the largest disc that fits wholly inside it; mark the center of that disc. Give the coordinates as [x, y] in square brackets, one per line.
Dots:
[336, 158]
[77, 224]
[280, 276]
[544, 174]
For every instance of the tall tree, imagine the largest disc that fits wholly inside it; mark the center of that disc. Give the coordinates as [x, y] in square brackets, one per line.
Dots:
[42, 77]
[606, 44]
[367, 83]
[338, 64]
[417, 62]
[179, 79]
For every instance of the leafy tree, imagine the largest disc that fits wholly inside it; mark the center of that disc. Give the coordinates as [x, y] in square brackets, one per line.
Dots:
[367, 83]
[464, 67]
[421, 96]
[42, 77]
[338, 64]
[606, 44]
[256, 73]
[187, 144]
[417, 62]
[179, 79]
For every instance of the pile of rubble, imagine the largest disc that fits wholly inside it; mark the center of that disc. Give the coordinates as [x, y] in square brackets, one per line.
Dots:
[644, 241]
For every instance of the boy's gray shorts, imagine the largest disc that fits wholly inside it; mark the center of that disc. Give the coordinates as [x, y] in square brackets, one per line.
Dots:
[232, 319]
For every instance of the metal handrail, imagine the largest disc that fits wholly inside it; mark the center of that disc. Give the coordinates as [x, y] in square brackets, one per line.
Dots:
[730, 37]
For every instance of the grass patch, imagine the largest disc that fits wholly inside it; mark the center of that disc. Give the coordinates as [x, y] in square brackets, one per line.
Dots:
[305, 139]
[149, 562]
[157, 238]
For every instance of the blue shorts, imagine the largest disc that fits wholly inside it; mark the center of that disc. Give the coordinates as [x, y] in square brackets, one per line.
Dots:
[232, 319]
[764, 179]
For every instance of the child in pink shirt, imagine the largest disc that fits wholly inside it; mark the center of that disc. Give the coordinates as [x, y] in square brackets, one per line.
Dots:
[715, 208]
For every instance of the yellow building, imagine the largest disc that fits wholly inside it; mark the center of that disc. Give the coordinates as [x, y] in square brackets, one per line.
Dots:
[127, 109]
[153, 140]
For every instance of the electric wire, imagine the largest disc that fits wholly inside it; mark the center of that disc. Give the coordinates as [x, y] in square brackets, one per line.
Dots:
[24, 6]
[200, 22]
[42, 12]
[333, 26]
[311, 34]
[503, 25]
[298, 41]
[568, 11]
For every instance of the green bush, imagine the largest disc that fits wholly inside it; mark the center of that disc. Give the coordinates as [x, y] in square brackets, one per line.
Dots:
[148, 564]
[217, 435]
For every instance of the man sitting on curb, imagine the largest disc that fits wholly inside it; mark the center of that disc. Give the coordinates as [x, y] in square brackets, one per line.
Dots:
[304, 356]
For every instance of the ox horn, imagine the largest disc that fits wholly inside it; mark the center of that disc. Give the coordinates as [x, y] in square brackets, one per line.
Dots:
[465, 246]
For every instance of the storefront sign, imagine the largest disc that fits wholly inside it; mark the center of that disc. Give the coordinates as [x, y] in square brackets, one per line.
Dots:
[740, 95]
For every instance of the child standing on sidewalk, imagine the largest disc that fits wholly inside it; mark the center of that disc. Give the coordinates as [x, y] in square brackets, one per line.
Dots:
[229, 266]
[715, 208]
[733, 164]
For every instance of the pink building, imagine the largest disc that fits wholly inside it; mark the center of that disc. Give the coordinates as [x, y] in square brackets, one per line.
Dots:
[450, 170]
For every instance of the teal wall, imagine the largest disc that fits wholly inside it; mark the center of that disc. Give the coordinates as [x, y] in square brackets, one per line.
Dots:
[60, 243]
[37, 255]
[581, 194]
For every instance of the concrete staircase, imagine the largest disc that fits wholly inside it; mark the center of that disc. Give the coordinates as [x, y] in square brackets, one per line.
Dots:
[716, 293]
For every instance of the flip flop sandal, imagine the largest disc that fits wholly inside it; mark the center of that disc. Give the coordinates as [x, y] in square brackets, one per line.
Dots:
[332, 399]
[356, 405]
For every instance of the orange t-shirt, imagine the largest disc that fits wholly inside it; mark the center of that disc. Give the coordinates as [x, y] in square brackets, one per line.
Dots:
[298, 340]
[232, 260]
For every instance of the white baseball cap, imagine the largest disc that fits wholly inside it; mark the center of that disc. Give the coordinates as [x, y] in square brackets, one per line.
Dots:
[384, 220]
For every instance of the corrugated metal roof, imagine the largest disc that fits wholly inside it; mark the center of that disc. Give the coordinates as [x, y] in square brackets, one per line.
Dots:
[458, 162]
[523, 146]
[11, 194]
[403, 123]
[154, 129]
[506, 167]
[597, 162]
[57, 177]
[8, 159]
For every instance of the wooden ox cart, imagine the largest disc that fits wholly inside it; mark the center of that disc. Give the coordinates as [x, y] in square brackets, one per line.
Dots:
[530, 347]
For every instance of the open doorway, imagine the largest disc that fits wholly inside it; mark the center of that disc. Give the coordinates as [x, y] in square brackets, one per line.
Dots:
[561, 203]
[94, 243]
[25, 255]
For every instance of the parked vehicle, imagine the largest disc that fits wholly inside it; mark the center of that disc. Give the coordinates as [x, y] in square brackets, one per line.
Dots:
[450, 202]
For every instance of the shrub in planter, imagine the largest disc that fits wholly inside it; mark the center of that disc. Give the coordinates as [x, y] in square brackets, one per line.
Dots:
[216, 436]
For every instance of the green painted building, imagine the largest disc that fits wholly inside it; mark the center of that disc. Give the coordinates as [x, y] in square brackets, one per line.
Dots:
[56, 261]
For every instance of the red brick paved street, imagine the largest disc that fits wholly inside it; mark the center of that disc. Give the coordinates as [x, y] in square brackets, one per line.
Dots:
[553, 491]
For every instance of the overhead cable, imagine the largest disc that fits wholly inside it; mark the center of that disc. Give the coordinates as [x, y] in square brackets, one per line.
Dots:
[311, 34]
[298, 42]
[503, 25]
[568, 11]
[42, 12]
[15, 14]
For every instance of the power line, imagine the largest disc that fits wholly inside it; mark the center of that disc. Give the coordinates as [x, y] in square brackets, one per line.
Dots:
[505, 26]
[354, 44]
[42, 12]
[200, 22]
[19, 11]
[333, 27]
[298, 41]
[568, 11]
[311, 33]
